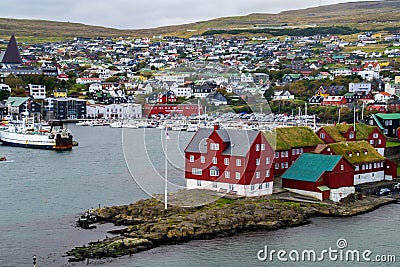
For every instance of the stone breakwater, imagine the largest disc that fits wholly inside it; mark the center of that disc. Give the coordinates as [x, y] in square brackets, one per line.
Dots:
[148, 225]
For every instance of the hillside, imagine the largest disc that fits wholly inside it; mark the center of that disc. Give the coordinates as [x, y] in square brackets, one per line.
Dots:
[363, 15]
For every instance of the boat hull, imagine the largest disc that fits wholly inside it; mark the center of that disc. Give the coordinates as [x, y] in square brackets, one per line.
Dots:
[35, 141]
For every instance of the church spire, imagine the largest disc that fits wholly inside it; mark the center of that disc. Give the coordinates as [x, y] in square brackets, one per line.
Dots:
[12, 55]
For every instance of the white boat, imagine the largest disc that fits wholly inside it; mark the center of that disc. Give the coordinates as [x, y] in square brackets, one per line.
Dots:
[26, 134]
[192, 128]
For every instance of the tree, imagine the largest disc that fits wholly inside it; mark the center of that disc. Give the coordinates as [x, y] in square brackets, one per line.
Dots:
[4, 94]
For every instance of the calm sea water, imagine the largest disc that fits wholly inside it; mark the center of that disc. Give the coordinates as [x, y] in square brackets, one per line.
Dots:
[42, 193]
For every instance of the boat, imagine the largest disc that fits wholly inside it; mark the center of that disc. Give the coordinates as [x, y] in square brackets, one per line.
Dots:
[27, 134]
[3, 159]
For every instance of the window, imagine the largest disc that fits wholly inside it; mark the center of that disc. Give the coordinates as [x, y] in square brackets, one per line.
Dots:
[231, 187]
[286, 165]
[238, 162]
[267, 160]
[237, 175]
[257, 147]
[301, 150]
[282, 154]
[287, 154]
[276, 166]
[191, 158]
[342, 167]
[371, 142]
[214, 160]
[198, 182]
[322, 135]
[252, 187]
[262, 146]
[215, 185]
[293, 151]
[276, 155]
[267, 173]
[203, 159]
[260, 186]
[257, 175]
[266, 185]
[226, 161]
[375, 135]
[357, 168]
[196, 171]
[227, 174]
[379, 141]
[282, 165]
[258, 161]
[214, 172]
[214, 146]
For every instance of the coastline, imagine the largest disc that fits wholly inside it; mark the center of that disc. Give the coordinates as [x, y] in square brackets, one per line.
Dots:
[148, 225]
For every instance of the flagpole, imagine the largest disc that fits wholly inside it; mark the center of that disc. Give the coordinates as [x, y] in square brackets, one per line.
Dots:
[166, 170]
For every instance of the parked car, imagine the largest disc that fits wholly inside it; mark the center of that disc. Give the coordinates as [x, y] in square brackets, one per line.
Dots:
[383, 192]
[396, 187]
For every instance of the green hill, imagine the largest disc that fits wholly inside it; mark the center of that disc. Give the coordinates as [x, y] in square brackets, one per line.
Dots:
[366, 15]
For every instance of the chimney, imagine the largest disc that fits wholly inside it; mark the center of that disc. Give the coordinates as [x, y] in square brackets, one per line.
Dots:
[216, 126]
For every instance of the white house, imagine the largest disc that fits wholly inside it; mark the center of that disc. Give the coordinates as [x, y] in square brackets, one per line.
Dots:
[95, 87]
[359, 87]
[342, 72]
[281, 95]
[182, 92]
[37, 91]
[5, 87]
[382, 97]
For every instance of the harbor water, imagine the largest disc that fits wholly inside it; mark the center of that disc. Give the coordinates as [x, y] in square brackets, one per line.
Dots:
[42, 192]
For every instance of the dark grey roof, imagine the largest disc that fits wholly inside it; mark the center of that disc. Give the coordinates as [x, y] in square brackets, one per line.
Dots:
[239, 141]
[198, 142]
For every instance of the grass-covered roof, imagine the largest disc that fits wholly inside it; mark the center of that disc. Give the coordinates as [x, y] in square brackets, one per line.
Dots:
[337, 131]
[357, 152]
[286, 138]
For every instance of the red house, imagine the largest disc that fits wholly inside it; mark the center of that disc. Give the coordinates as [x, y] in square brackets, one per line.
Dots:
[369, 166]
[228, 160]
[320, 176]
[346, 132]
[289, 143]
[338, 101]
[166, 97]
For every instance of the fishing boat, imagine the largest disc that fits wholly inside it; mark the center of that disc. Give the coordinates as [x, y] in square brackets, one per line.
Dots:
[27, 134]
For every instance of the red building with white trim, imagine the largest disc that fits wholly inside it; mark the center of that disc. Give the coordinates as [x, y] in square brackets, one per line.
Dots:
[172, 109]
[227, 160]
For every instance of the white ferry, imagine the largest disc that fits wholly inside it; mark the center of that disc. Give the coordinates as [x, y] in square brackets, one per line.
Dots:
[25, 134]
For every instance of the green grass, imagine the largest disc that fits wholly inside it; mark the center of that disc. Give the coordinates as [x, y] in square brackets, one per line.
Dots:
[398, 171]
[392, 144]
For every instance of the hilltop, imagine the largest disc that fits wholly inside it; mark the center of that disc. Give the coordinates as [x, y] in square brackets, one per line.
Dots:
[363, 15]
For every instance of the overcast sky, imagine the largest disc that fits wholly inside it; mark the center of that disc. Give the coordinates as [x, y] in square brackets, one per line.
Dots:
[133, 14]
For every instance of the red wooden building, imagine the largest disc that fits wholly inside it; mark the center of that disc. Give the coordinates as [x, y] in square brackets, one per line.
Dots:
[172, 109]
[227, 160]
[369, 166]
[320, 176]
[289, 143]
[346, 132]
[338, 101]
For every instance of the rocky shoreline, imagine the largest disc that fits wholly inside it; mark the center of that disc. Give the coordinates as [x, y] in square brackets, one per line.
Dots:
[148, 225]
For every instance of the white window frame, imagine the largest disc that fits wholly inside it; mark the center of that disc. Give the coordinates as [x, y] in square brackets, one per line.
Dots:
[191, 158]
[214, 146]
[226, 161]
[214, 173]
[214, 160]
[258, 175]
[203, 159]
[238, 162]
[267, 160]
[262, 147]
[237, 175]
[258, 160]
[197, 171]
[227, 174]
[257, 147]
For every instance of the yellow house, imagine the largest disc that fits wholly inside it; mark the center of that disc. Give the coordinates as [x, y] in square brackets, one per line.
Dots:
[58, 93]
[322, 92]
